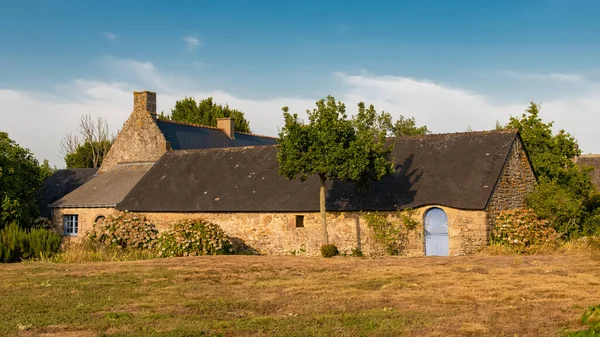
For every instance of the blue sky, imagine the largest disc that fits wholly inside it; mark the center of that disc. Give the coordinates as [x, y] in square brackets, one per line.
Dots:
[451, 64]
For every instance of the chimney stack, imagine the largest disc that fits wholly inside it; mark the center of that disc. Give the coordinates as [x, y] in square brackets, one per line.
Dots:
[145, 101]
[226, 125]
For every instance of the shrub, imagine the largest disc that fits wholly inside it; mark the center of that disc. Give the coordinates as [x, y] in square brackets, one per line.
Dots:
[392, 235]
[356, 252]
[329, 250]
[193, 237]
[125, 229]
[522, 229]
[591, 319]
[18, 244]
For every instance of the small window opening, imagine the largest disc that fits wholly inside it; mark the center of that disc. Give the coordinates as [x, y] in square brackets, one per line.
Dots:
[71, 224]
[299, 221]
[99, 219]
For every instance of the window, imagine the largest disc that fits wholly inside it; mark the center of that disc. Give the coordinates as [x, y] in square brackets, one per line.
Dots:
[299, 221]
[99, 219]
[71, 224]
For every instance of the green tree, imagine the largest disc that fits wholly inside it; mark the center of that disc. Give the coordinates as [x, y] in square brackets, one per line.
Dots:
[89, 145]
[333, 147]
[564, 187]
[405, 126]
[205, 112]
[20, 177]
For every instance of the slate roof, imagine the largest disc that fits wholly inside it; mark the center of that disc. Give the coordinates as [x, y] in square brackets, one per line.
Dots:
[106, 189]
[457, 170]
[187, 136]
[60, 184]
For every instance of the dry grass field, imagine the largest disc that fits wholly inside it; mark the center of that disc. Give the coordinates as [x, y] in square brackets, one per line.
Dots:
[298, 296]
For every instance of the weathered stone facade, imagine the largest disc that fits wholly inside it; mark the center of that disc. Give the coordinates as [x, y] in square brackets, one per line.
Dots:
[86, 218]
[277, 234]
[140, 140]
[516, 181]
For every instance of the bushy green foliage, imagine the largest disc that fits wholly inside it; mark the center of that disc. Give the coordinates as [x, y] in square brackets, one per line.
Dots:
[329, 250]
[591, 320]
[125, 229]
[18, 244]
[88, 154]
[334, 147]
[20, 178]
[205, 112]
[356, 252]
[564, 187]
[405, 126]
[521, 229]
[193, 237]
[392, 235]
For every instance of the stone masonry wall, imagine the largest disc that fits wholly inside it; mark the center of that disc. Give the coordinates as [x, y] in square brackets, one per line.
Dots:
[86, 218]
[516, 182]
[140, 139]
[277, 234]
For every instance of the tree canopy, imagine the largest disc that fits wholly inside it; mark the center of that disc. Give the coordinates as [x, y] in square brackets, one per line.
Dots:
[565, 194]
[334, 147]
[87, 147]
[205, 112]
[20, 179]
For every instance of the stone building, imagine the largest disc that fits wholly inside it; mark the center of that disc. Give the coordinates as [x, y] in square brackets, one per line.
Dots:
[454, 185]
[592, 161]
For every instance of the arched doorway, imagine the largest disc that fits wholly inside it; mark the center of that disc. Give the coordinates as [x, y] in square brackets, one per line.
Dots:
[436, 232]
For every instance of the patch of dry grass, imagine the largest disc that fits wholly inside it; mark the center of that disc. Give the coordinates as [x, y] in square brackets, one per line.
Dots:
[299, 296]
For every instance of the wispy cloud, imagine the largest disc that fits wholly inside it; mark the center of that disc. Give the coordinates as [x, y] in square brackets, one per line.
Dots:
[442, 107]
[192, 42]
[111, 36]
[561, 77]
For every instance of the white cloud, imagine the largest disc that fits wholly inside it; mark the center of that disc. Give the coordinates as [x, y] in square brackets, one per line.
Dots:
[38, 120]
[111, 36]
[560, 77]
[192, 42]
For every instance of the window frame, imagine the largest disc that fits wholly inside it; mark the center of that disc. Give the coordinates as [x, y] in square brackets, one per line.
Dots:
[71, 224]
[301, 218]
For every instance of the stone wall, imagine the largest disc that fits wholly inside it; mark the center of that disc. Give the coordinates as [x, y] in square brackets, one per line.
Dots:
[516, 181]
[86, 218]
[591, 161]
[140, 139]
[277, 234]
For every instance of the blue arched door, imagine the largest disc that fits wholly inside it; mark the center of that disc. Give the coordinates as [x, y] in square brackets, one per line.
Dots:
[436, 232]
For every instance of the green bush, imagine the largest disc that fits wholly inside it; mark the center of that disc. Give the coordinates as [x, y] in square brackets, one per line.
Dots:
[521, 229]
[329, 250]
[392, 235]
[356, 252]
[125, 229]
[193, 237]
[591, 319]
[18, 244]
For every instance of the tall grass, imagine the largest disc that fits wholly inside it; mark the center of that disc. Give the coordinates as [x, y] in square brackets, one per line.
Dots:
[588, 245]
[86, 251]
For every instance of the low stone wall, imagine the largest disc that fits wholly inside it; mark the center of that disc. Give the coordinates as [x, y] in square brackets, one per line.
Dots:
[277, 234]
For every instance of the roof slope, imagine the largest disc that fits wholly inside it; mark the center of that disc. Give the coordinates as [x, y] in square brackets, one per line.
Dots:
[106, 189]
[187, 137]
[60, 184]
[456, 170]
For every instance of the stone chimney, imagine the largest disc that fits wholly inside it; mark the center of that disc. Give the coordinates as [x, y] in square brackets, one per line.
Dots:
[226, 125]
[145, 101]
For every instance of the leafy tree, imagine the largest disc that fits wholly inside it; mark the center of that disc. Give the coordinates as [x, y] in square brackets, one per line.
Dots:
[89, 145]
[20, 177]
[46, 171]
[205, 112]
[334, 147]
[408, 127]
[564, 187]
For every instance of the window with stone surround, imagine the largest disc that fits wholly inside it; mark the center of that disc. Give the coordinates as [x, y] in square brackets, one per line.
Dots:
[299, 221]
[71, 224]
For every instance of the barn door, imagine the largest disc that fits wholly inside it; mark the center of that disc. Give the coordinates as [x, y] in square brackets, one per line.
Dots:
[436, 232]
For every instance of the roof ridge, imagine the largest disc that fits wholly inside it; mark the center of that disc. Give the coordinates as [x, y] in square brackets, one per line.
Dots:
[212, 127]
[215, 149]
[458, 133]
[257, 135]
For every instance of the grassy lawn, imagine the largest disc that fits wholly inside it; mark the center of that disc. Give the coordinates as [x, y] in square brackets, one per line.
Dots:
[298, 296]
